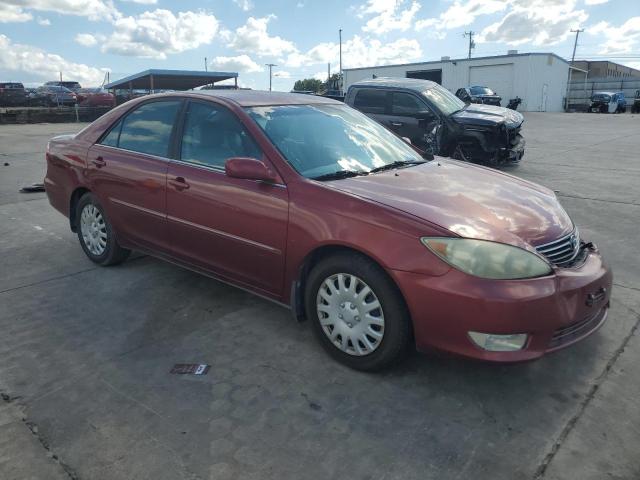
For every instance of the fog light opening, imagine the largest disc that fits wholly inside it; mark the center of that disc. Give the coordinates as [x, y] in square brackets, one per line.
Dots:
[499, 343]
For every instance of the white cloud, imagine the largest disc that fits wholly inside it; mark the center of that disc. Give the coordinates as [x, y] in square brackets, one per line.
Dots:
[13, 14]
[320, 76]
[86, 39]
[621, 39]
[143, 2]
[241, 63]
[282, 74]
[253, 38]
[245, 5]
[388, 15]
[540, 22]
[32, 61]
[460, 14]
[45, 22]
[595, 2]
[359, 52]
[154, 34]
[92, 9]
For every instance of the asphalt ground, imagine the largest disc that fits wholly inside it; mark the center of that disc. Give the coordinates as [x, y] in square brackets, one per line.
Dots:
[85, 356]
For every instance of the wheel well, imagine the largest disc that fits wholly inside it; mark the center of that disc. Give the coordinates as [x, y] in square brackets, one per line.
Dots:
[75, 197]
[312, 259]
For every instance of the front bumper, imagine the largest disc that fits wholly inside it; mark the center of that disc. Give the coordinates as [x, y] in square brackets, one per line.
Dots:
[515, 152]
[554, 311]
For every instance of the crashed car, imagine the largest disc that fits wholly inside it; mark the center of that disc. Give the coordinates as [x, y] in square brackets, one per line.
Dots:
[608, 102]
[635, 108]
[437, 122]
[479, 94]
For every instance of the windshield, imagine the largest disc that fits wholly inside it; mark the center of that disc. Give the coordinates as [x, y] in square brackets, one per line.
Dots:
[444, 100]
[319, 140]
[600, 97]
[481, 91]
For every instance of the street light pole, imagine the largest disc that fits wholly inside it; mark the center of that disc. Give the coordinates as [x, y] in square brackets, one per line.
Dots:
[340, 37]
[270, 65]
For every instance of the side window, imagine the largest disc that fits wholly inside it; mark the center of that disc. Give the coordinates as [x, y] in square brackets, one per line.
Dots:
[370, 100]
[405, 104]
[213, 134]
[111, 139]
[148, 128]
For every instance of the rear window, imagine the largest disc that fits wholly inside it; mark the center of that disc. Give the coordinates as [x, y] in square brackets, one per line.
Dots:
[370, 100]
[481, 91]
[148, 128]
[11, 85]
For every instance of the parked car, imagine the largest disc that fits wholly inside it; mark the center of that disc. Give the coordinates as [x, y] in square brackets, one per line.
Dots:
[12, 94]
[478, 94]
[635, 108]
[438, 122]
[73, 86]
[608, 102]
[54, 96]
[307, 202]
[95, 97]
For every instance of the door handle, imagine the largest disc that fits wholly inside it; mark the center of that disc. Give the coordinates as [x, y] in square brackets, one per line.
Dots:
[179, 183]
[397, 124]
[99, 162]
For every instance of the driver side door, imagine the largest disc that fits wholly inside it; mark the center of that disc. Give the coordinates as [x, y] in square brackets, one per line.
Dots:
[407, 118]
[235, 228]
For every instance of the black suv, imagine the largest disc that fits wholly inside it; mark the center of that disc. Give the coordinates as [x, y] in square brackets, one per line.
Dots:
[438, 122]
[12, 94]
[478, 94]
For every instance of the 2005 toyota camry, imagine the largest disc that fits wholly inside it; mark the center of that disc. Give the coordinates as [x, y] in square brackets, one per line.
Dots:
[306, 201]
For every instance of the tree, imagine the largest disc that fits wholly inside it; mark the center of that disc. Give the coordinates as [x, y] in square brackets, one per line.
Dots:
[308, 85]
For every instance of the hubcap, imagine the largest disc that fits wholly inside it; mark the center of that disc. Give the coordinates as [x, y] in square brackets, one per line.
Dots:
[350, 314]
[93, 229]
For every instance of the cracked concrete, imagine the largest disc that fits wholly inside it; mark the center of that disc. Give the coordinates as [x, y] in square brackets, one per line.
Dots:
[88, 351]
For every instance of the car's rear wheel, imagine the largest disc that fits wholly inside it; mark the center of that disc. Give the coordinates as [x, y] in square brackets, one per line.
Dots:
[357, 312]
[95, 233]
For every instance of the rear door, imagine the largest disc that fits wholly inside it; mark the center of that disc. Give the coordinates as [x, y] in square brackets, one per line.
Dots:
[127, 171]
[236, 228]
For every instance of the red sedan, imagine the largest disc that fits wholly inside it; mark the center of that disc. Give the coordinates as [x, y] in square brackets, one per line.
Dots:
[307, 202]
[95, 97]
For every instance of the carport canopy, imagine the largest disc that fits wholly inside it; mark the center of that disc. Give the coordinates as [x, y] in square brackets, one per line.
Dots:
[170, 80]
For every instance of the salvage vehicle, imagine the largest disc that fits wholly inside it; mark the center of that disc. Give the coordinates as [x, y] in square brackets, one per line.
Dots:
[12, 94]
[73, 86]
[438, 122]
[54, 96]
[479, 94]
[635, 108]
[95, 97]
[307, 202]
[608, 102]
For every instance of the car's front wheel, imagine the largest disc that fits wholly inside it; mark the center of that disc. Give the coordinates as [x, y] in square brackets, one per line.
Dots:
[357, 312]
[95, 233]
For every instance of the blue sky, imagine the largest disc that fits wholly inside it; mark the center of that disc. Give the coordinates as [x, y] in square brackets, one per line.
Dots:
[84, 38]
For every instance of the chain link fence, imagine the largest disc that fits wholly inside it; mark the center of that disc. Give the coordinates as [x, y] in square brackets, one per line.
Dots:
[580, 91]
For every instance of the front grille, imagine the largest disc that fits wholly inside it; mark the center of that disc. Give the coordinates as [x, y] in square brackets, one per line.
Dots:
[576, 330]
[562, 252]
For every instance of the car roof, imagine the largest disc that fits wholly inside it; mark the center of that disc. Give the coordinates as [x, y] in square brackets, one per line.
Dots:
[407, 83]
[256, 98]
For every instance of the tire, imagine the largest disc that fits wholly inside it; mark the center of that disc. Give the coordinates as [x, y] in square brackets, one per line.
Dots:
[97, 237]
[378, 340]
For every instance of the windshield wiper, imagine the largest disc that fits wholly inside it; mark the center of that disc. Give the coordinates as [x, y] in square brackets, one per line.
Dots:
[397, 164]
[339, 175]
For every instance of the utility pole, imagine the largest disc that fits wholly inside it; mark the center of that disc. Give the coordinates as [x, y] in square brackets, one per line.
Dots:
[328, 73]
[205, 64]
[472, 44]
[573, 57]
[340, 37]
[61, 76]
[270, 65]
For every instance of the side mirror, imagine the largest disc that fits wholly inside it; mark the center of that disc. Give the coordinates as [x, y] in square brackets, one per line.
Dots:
[424, 115]
[249, 169]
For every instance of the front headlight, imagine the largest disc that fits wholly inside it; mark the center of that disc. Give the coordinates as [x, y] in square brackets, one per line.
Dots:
[486, 259]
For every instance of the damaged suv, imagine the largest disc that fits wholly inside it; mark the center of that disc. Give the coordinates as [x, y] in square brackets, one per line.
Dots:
[438, 122]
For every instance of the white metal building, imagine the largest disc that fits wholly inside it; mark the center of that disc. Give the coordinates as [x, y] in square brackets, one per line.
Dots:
[539, 79]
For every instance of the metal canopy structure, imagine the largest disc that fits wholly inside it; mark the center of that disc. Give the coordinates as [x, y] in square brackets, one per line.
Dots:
[170, 80]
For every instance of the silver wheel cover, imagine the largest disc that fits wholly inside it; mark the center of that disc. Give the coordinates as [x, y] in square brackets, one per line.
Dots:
[350, 314]
[93, 229]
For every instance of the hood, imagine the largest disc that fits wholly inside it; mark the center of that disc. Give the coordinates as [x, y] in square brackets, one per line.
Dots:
[470, 201]
[481, 114]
